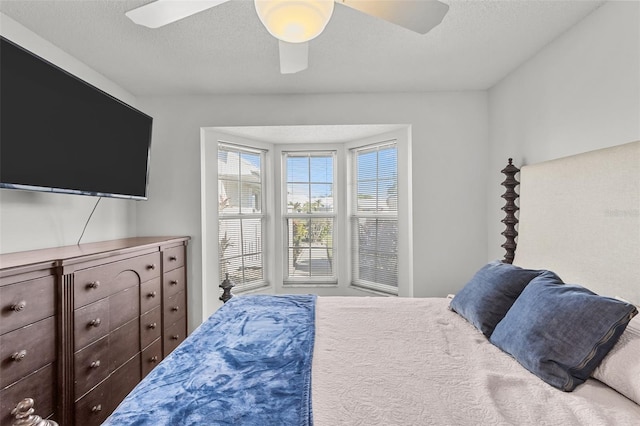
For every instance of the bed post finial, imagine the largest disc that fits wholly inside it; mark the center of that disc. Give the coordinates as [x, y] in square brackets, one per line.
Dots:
[226, 287]
[510, 208]
[25, 416]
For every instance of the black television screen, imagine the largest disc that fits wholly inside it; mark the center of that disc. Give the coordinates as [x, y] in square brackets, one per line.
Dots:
[61, 134]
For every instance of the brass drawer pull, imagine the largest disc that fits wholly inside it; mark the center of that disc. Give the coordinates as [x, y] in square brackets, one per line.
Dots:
[152, 294]
[153, 359]
[96, 408]
[175, 337]
[172, 258]
[17, 307]
[151, 266]
[152, 326]
[173, 282]
[175, 308]
[95, 364]
[19, 356]
[93, 284]
[95, 322]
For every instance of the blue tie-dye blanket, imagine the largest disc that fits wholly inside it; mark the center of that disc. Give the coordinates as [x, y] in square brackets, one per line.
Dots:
[248, 364]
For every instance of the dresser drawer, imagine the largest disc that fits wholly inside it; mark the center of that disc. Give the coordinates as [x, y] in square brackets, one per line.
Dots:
[26, 302]
[150, 295]
[122, 381]
[124, 343]
[39, 386]
[151, 356]
[174, 308]
[174, 281]
[91, 366]
[150, 326]
[90, 323]
[174, 334]
[123, 307]
[101, 281]
[93, 408]
[173, 258]
[27, 349]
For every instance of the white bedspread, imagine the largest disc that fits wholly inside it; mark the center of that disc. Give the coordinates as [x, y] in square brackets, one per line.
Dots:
[400, 361]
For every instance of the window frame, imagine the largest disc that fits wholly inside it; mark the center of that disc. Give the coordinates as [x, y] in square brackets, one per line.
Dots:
[285, 216]
[262, 215]
[355, 215]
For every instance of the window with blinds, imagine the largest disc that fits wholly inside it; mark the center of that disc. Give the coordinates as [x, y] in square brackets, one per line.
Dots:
[374, 218]
[241, 221]
[309, 217]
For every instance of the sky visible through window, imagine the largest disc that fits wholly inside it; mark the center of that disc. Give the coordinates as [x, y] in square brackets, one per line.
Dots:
[319, 170]
[310, 179]
[311, 175]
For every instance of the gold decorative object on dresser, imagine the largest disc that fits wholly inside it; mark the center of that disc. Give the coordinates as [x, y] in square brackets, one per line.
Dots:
[81, 325]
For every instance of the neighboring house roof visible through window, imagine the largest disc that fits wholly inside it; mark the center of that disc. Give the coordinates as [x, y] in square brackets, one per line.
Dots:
[229, 168]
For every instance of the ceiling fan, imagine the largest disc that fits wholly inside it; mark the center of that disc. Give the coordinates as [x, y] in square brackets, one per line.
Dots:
[295, 22]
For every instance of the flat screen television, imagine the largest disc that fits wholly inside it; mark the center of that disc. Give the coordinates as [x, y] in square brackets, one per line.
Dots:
[61, 134]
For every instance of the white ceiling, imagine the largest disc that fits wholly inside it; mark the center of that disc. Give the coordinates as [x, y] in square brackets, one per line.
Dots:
[227, 50]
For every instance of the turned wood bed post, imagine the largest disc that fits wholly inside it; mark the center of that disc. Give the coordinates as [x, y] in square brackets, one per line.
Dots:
[226, 287]
[510, 208]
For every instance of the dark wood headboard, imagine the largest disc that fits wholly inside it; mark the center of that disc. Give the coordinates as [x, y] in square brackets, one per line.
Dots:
[510, 208]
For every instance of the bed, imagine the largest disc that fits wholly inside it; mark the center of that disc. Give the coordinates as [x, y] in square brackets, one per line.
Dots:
[550, 338]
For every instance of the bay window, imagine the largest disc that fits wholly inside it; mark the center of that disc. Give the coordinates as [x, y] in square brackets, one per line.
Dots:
[332, 217]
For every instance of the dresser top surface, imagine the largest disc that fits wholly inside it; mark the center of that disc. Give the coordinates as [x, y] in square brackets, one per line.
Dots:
[56, 256]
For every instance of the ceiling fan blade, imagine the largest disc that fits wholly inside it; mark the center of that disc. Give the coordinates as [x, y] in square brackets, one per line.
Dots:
[417, 15]
[294, 57]
[163, 12]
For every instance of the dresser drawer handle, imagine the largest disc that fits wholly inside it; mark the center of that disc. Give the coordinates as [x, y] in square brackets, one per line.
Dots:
[96, 408]
[175, 308]
[153, 359]
[93, 284]
[172, 258]
[175, 337]
[173, 282]
[152, 294]
[152, 326]
[95, 364]
[17, 307]
[151, 266]
[95, 322]
[19, 356]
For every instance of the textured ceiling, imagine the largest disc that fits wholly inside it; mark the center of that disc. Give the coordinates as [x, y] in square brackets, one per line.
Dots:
[226, 50]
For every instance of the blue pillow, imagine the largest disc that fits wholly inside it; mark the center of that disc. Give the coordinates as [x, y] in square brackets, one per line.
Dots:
[561, 332]
[485, 299]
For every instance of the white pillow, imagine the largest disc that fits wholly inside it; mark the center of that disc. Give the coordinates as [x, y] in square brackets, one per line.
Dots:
[620, 369]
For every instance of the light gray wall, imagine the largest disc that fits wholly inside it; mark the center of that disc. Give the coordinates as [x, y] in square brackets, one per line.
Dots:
[580, 93]
[33, 220]
[450, 153]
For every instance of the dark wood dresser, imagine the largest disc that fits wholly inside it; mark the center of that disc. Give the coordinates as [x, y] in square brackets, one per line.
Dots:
[81, 325]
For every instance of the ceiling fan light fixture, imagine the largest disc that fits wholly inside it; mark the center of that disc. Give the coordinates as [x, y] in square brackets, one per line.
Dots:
[294, 21]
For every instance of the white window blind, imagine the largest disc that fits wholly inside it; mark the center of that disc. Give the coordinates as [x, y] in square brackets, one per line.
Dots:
[241, 217]
[310, 217]
[374, 219]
